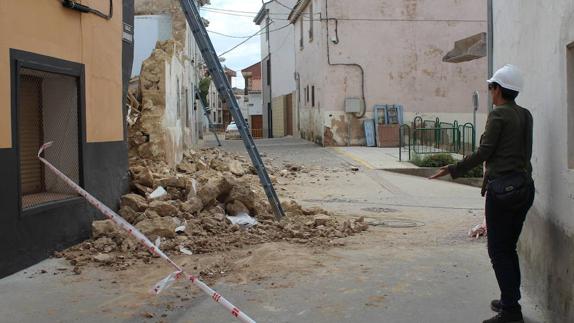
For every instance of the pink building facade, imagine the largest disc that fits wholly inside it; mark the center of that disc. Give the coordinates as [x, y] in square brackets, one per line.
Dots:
[384, 52]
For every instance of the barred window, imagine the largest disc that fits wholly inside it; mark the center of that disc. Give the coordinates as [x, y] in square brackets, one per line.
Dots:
[570, 111]
[47, 111]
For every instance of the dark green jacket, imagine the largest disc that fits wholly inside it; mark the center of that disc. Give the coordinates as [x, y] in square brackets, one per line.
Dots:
[505, 146]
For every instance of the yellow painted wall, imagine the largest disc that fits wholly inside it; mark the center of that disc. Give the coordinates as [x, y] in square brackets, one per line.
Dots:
[45, 27]
[278, 115]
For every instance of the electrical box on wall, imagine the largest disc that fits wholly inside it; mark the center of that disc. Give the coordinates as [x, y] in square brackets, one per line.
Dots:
[354, 105]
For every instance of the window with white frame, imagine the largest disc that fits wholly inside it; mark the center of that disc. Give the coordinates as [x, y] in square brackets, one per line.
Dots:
[313, 96]
[311, 21]
[301, 38]
[570, 105]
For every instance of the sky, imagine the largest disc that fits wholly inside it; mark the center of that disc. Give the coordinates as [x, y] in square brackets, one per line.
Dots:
[235, 25]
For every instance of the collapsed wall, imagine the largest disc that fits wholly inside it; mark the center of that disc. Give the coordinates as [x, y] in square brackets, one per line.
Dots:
[154, 131]
[164, 120]
[169, 7]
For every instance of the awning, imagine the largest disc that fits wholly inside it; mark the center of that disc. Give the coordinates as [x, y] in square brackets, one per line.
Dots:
[468, 49]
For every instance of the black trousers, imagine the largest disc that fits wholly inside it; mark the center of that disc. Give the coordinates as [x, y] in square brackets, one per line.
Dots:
[504, 224]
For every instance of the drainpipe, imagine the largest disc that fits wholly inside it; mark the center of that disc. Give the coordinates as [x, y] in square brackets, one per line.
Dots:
[298, 80]
[270, 66]
[490, 47]
[476, 105]
[336, 41]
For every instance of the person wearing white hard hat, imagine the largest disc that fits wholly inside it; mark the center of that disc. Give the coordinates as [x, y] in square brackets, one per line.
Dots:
[506, 150]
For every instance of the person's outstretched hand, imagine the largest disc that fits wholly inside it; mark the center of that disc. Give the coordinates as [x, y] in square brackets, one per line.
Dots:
[443, 171]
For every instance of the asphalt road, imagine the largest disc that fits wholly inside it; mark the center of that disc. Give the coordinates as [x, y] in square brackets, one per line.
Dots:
[415, 264]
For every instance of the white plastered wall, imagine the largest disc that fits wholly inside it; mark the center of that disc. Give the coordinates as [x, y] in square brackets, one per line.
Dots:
[540, 51]
[401, 56]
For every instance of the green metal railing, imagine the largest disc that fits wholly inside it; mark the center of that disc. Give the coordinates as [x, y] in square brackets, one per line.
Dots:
[468, 140]
[418, 122]
[404, 140]
[434, 136]
[435, 140]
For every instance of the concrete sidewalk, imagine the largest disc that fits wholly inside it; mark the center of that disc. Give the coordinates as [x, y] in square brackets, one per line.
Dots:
[373, 158]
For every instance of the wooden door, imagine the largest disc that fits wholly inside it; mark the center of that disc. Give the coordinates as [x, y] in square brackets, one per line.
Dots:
[289, 115]
[257, 126]
[30, 134]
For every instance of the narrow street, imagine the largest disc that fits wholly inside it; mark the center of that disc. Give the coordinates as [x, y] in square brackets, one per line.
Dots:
[414, 264]
[377, 122]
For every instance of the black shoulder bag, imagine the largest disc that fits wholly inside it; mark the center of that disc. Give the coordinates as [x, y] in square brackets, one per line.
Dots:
[512, 190]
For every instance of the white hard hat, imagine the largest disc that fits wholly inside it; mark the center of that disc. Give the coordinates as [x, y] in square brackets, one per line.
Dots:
[508, 77]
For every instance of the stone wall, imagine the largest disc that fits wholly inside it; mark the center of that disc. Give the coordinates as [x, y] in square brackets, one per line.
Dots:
[165, 117]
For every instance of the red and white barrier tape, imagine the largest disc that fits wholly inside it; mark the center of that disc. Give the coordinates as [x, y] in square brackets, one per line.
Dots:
[122, 223]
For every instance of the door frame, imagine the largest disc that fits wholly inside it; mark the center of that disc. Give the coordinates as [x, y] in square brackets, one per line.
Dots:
[26, 60]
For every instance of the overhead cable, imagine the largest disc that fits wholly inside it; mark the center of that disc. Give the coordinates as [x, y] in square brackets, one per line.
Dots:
[239, 11]
[246, 40]
[260, 32]
[281, 4]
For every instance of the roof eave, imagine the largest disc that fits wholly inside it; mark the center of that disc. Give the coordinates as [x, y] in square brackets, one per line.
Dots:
[261, 15]
[298, 10]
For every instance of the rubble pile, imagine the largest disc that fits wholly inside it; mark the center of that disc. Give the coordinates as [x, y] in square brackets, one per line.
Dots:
[187, 210]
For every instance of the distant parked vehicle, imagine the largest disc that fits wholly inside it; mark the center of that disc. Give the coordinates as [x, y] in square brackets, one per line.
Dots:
[232, 132]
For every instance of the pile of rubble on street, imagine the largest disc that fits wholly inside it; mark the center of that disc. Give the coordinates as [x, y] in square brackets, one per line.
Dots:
[192, 210]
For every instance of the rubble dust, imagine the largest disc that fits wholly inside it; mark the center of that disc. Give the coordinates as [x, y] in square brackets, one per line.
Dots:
[206, 187]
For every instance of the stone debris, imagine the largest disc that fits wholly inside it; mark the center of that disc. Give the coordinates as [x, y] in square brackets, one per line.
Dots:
[200, 193]
[243, 220]
[157, 227]
[134, 202]
[157, 193]
[105, 258]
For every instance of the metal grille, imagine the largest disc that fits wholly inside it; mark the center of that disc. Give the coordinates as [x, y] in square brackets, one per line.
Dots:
[433, 136]
[468, 138]
[435, 140]
[47, 111]
[405, 135]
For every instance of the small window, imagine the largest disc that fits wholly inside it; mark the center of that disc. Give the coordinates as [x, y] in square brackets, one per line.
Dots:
[311, 21]
[305, 94]
[178, 95]
[313, 96]
[47, 111]
[187, 110]
[301, 40]
[570, 109]
[193, 101]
